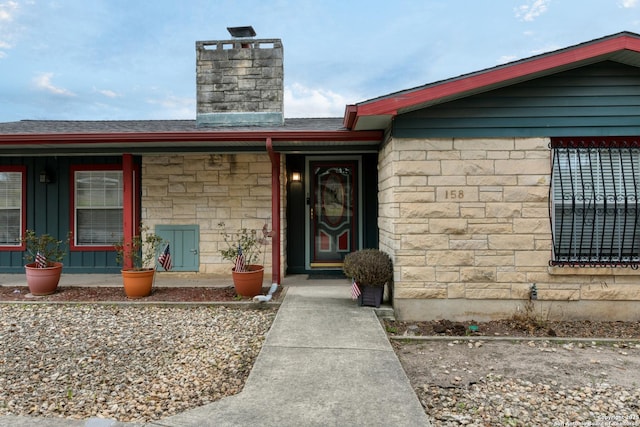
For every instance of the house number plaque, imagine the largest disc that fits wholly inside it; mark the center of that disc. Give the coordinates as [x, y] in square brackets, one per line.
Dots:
[454, 194]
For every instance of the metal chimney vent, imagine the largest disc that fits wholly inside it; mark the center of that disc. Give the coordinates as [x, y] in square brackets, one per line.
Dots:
[242, 32]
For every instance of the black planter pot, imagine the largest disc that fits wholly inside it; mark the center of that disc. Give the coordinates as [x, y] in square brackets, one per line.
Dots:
[370, 296]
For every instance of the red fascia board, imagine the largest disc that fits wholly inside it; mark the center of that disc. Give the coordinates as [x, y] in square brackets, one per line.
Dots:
[392, 105]
[155, 137]
[350, 114]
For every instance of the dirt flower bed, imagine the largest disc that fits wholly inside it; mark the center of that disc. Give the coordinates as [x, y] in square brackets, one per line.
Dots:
[516, 327]
[107, 294]
[554, 373]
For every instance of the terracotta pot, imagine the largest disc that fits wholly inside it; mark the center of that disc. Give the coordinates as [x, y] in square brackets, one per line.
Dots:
[137, 283]
[248, 283]
[43, 281]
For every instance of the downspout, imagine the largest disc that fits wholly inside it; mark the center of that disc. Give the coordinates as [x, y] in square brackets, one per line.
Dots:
[275, 213]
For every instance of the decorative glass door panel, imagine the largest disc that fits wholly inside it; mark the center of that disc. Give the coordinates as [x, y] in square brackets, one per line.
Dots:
[333, 213]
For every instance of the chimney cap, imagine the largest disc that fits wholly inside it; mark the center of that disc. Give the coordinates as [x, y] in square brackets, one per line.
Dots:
[247, 31]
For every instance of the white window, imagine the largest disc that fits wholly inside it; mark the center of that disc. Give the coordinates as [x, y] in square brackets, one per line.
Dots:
[11, 209]
[98, 207]
[594, 197]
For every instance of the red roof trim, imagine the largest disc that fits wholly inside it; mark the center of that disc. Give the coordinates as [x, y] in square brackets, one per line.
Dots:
[391, 105]
[155, 137]
[350, 114]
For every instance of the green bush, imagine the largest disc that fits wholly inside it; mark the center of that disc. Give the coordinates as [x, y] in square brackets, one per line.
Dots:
[369, 267]
[51, 248]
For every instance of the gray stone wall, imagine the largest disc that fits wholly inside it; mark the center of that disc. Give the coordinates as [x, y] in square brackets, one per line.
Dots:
[240, 82]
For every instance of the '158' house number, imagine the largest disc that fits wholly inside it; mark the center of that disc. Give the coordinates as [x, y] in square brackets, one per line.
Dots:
[454, 194]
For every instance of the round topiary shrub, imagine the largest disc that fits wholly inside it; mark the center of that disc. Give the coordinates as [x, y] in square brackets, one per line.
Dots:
[369, 267]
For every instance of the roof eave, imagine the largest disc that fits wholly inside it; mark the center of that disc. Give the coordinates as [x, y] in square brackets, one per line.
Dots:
[146, 141]
[205, 137]
[572, 57]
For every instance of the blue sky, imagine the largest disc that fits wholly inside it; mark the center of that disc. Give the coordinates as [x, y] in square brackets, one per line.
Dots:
[135, 59]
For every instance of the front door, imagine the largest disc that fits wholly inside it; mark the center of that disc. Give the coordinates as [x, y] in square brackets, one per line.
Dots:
[333, 201]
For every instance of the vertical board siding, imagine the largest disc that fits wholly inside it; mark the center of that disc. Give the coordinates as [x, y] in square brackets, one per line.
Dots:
[48, 211]
[601, 99]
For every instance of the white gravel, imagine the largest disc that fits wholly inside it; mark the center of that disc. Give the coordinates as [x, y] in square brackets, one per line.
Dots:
[497, 400]
[129, 363]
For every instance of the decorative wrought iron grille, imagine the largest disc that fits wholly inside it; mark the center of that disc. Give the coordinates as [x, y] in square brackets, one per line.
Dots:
[593, 203]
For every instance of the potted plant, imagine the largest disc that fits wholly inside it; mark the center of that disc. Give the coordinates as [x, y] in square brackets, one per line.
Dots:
[44, 254]
[243, 248]
[138, 258]
[370, 270]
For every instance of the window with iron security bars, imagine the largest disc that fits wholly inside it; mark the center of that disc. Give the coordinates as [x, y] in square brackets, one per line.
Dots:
[593, 202]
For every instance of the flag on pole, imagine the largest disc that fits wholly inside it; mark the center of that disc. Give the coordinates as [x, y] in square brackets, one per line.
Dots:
[240, 261]
[165, 258]
[41, 260]
[355, 290]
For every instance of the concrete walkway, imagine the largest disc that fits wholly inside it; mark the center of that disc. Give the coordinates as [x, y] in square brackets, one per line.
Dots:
[325, 362]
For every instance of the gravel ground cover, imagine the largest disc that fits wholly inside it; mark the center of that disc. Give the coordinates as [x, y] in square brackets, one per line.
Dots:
[78, 361]
[530, 383]
[129, 363]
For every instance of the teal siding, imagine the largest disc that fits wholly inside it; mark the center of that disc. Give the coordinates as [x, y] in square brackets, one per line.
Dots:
[598, 100]
[48, 209]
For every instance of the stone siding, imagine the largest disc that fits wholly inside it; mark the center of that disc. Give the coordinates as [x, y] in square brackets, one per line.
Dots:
[467, 224]
[206, 190]
[239, 82]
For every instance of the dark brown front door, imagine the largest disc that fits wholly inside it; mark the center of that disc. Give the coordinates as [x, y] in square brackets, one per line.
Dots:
[334, 211]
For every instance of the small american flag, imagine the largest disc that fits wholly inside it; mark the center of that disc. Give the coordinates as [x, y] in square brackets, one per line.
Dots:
[240, 261]
[355, 290]
[41, 260]
[165, 258]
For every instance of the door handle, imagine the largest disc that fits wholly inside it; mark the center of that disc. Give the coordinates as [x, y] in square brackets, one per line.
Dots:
[193, 251]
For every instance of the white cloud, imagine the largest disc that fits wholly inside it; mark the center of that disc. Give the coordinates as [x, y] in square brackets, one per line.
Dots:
[506, 59]
[534, 8]
[301, 101]
[7, 12]
[108, 93]
[43, 81]
[627, 4]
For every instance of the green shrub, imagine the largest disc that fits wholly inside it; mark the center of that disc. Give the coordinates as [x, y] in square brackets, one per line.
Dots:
[51, 248]
[369, 267]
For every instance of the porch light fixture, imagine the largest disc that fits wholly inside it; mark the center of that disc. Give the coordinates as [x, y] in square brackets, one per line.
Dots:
[45, 178]
[296, 176]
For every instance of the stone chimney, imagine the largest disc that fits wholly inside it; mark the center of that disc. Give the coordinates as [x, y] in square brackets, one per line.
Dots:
[240, 82]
